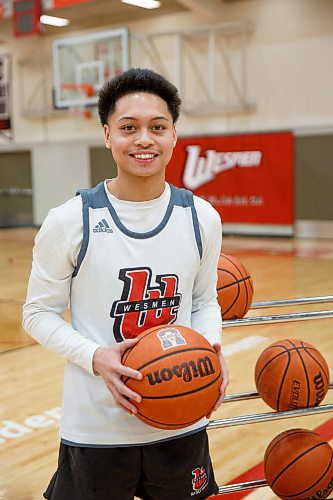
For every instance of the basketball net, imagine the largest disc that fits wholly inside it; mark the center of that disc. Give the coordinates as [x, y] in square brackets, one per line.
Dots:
[84, 89]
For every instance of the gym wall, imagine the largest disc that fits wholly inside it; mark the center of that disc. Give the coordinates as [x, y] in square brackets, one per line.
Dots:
[289, 79]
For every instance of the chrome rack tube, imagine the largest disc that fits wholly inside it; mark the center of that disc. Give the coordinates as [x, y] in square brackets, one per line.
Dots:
[245, 396]
[292, 302]
[278, 318]
[231, 488]
[266, 417]
[249, 485]
[240, 396]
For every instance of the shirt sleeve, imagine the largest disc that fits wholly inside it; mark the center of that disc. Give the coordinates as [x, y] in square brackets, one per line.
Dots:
[54, 258]
[206, 313]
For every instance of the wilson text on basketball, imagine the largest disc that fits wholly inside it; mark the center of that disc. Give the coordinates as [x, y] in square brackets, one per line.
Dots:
[201, 367]
[320, 388]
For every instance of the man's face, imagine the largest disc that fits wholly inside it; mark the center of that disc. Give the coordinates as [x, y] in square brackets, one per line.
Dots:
[141, 134]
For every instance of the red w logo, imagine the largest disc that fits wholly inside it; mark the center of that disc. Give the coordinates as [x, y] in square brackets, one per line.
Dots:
[142, 306]
[200, 479]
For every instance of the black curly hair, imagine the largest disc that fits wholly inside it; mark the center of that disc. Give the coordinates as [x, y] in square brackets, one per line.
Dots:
[137, 80]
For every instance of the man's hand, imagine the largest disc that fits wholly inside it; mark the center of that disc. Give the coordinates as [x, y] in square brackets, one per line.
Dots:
[225, 379]
[107, 364]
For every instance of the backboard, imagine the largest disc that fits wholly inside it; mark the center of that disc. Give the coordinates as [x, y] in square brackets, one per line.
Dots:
[86, 62]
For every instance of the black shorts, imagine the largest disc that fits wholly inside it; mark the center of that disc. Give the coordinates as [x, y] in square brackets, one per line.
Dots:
[179, 469]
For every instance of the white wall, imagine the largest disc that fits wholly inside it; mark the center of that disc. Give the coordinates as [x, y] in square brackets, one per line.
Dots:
[58, 171]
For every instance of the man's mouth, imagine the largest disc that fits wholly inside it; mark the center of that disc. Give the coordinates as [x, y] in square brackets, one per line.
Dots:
[144, 156]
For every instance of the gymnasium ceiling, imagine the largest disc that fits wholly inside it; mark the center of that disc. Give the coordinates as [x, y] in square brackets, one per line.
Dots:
[96, 13]
[100, 12]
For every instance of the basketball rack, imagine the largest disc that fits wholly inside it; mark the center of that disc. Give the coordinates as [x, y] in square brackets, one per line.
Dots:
[278, 415]
[86, 91]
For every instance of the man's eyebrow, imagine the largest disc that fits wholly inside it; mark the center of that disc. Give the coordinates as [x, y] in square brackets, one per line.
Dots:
[133, 118]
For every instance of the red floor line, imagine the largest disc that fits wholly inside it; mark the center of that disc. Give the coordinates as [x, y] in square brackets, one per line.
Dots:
[257, 472]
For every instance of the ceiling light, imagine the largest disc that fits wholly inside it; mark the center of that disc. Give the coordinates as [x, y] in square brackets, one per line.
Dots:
[54, 21]
[145, 4]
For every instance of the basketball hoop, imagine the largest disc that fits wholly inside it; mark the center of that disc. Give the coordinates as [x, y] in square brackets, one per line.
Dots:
[87, 90]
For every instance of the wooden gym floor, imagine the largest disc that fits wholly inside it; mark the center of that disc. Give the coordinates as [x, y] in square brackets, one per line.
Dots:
[31, 377]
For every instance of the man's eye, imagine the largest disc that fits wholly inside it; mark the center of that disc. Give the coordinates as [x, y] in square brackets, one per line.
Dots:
[128, 128]
[159, 127]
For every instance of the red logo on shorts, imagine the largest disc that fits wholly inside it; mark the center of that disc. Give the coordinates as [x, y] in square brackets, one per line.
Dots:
[200, 480]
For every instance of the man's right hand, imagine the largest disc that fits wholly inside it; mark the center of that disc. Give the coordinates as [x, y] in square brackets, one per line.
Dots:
[107, 364]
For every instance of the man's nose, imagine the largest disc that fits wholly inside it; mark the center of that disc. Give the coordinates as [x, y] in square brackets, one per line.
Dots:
[144, 138]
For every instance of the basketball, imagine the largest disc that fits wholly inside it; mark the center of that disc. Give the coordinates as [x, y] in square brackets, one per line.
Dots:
[298, 464]
[291, 374]
[181, 376]
[234, 287]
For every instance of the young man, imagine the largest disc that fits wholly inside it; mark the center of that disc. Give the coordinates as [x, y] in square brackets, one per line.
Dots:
[127, 240]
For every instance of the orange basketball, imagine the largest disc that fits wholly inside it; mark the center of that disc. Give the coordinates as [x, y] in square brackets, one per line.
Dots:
[181, 376]
[298, 464]
[234, 287]
[291, 374]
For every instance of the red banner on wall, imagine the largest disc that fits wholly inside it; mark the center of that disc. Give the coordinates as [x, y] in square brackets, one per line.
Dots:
[64, 3]
[247, 178]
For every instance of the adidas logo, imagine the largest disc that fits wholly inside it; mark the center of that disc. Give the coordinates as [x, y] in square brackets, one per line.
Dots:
[102, 227]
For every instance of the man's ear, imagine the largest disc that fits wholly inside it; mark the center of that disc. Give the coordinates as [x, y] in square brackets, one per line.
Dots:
[107, 140]
[174, 136]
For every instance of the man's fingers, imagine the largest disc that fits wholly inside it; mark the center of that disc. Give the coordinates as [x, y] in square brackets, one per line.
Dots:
[127, 406]
[224, 386]
[217, 347]
[216, 405]
[123, 403]
[126, 344]
[124, 390]
[127, 372]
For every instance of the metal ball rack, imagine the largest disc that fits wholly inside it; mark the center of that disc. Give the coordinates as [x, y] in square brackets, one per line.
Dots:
[270, 416]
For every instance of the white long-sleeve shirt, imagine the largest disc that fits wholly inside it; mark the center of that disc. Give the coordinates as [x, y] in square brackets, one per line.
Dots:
[123, 267]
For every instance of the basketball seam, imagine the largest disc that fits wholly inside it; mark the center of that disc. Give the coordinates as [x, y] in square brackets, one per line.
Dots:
[234, 301]
[284, 435]
[235, 264]
[299, 349]
[186, 424]
[305, 372]
[244, 278]
[316, 361]
[247, 298]
[282, 381]
[286, 349]
[270, 361]
[295, 460]
[247, 278]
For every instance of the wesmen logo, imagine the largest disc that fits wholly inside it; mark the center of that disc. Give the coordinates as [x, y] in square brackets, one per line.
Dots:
[199, 170]
[143, 306]
[199, 481]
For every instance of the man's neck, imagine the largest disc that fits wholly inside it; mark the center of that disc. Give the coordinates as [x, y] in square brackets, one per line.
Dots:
[138, 189]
